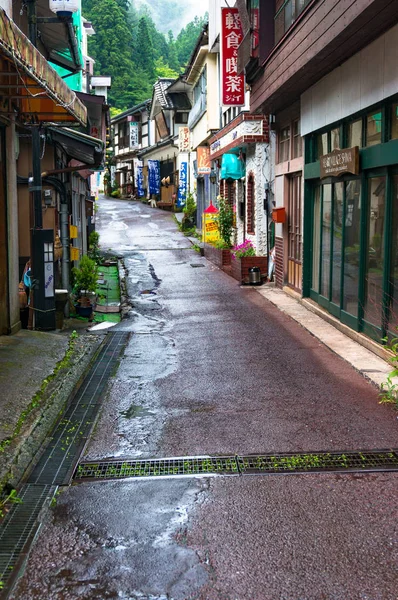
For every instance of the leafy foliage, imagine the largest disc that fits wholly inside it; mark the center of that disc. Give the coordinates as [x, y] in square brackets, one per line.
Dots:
[225, 220]
[85, 275]
[128, 46]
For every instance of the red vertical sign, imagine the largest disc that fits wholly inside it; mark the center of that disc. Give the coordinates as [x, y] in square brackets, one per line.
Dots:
[233, 83]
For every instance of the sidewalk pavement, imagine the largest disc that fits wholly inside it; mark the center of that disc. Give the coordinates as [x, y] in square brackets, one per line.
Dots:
[36, 380]
[366, 357]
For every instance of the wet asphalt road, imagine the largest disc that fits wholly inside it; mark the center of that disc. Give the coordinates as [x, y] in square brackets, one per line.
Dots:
[213, 368]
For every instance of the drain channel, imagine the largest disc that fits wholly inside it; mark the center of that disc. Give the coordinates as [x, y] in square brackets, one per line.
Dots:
[115, 469]
[20, 525]
[318, 462]
[58, 461]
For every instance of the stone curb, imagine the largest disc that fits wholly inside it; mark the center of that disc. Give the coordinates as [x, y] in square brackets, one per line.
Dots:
[19, 456]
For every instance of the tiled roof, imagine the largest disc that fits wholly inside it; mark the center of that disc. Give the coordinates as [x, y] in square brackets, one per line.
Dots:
[160, 88]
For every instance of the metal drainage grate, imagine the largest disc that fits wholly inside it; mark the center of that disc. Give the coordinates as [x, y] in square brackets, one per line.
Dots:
[376, 460]
[225, 465]
[20, 525]
[366, 461]
[60, 456]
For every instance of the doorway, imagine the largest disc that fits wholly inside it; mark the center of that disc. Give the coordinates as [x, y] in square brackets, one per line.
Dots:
[294, 260]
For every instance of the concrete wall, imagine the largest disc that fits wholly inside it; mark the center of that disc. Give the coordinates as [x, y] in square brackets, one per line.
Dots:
[368, 77]
[258, 163]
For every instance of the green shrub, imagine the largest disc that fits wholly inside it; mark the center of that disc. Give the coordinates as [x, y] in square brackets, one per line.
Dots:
[85, 275]
[225, 221]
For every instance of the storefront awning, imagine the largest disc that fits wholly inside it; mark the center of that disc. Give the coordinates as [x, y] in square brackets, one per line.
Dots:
[32, 87]
[81, 147]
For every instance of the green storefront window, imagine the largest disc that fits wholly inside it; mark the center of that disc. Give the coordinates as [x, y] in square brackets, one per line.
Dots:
[338, 197]
[374, 268]
[393, 287]
[326, 239]
[394, 122]
[352, 234]
[373, 129]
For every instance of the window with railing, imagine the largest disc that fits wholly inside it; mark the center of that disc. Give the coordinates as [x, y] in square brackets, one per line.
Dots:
[286, 16]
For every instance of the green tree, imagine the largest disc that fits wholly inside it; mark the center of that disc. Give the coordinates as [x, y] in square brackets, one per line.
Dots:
[144, 53]
[163, 70]
[172, 54]
[187, 38]
[111, 48]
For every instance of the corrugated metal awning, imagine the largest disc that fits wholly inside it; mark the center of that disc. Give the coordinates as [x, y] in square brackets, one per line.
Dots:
[35, 92]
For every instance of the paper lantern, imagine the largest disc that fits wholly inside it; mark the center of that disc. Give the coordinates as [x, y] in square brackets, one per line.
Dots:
[64, 8]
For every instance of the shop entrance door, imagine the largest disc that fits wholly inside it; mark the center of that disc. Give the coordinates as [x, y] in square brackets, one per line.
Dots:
[294, 275]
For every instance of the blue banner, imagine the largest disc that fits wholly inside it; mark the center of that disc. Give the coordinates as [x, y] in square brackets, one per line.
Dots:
[182, 188]
[140, 182]
[154, 176]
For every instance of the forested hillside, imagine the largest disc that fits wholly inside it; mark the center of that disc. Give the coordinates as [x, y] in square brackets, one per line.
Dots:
[129, 47]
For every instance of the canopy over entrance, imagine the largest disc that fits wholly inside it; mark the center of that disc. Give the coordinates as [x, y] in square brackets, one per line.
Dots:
[29, 86]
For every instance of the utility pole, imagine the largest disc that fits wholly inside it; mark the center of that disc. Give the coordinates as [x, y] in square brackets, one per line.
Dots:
[42, 240]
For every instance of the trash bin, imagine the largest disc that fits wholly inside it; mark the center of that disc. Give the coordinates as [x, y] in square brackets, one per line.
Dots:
[255, 276]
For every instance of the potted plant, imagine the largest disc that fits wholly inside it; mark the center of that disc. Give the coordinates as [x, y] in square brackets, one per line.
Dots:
[189, 210]
[85, 284]
[244, 258]
[219, 251]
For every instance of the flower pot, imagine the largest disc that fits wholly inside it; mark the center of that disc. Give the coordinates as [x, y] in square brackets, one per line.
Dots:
[84, 311]
[221, 257]
[240, 267]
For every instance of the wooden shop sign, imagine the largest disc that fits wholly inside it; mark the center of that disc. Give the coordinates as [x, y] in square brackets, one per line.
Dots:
[340, 161]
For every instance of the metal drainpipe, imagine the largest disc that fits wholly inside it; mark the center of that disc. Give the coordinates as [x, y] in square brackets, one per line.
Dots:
[74, 47]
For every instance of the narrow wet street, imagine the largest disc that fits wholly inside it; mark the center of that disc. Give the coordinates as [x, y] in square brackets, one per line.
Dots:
[212, 368]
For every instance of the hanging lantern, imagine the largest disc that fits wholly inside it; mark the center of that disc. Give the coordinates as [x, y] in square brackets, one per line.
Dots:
[64, 8]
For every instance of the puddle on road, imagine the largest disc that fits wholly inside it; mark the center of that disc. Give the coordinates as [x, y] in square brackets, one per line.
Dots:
[136, 411]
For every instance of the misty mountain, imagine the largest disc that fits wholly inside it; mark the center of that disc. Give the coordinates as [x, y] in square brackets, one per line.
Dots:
[173, 14]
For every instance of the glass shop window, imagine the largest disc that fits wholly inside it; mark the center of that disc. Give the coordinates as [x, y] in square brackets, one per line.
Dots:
[297, 140]
[284, 144]
[335, 139]
[373, 129]
[322, 144]
[354, 134]
[394, 122]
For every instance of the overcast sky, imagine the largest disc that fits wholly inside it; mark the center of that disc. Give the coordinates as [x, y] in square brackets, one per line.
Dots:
[189, 10]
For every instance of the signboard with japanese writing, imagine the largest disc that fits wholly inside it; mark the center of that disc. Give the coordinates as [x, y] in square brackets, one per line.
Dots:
[139, 178]
[183, 139]
[134, 134]
[182, 187]
[203, 160]
[340, 161]
[233, 83]
[154, 176]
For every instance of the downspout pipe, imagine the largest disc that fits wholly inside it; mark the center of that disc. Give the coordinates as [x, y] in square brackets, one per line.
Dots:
[74, 46]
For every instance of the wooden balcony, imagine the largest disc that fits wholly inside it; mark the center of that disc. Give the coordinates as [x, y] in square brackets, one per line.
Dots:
[326, 33]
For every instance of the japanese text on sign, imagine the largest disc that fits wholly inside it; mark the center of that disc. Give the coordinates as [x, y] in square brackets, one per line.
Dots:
[233, 83]
[183, 139]
[183, 180]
